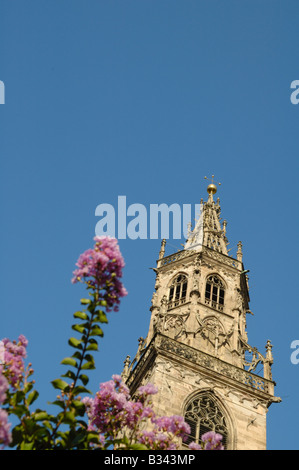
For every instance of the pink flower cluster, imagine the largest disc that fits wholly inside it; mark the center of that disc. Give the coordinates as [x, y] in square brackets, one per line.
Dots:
[210, 441]
[113, 410]
[3, 386]
[165, 430]
[101, 268]
[5, 434]
[12, 355]
[13, 359]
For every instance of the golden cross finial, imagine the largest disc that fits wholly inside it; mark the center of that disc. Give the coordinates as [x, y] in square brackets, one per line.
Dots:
[213, 182]
[212, 188]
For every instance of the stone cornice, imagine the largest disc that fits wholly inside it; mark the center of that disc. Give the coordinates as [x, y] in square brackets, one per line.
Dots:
[214, 255]
[195, 359]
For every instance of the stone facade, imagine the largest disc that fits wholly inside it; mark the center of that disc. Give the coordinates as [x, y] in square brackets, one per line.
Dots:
[196, 351]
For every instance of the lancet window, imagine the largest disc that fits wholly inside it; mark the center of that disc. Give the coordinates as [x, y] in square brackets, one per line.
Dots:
[178, 291]
[214, 294]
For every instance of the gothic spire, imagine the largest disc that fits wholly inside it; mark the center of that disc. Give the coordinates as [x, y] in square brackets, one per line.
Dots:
[208, 230]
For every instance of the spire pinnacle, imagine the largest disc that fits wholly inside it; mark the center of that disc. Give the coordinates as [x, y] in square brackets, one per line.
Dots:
[212, 188]
[162, 250]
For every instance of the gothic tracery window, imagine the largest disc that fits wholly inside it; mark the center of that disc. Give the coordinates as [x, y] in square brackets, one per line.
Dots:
[178, 291]
[203, 415]
[214, 295]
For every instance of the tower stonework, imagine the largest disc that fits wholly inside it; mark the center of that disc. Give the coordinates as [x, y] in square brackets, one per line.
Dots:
[197, 351]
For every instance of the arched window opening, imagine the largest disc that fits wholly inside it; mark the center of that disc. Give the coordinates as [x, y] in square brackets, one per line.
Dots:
[203, 415]
[178, 291]
[214, 295]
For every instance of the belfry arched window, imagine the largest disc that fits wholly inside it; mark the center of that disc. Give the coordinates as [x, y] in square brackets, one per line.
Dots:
[214, 295]
[203, 414]
[178, 291]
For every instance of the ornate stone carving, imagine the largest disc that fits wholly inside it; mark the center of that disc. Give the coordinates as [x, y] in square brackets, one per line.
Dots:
[155, 299]
[216, 365]
[175, 324]
[221, 258]
[175, 257]
[212, 331]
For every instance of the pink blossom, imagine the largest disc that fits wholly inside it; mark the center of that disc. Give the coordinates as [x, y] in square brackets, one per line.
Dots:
[3, 386]
[14, 355]
[101, 268]
[5, 434]
[113, 410]
[157, 440]
[178, 426]
[147, 438]
[212, 441]
[145, 391]
[194, 446]
[175, 425]
[148, 389]
[107, 411]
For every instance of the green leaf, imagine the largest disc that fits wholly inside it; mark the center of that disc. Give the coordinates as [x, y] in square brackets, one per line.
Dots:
[75, 343]
[18, 397]
[93, 341]
[81, 389]
[79, 328]
[84, 379]
[88, 365]
[40, 416]
[89, 357]
[58, 403]
[17, 435]
[77, 355]
[80, 437]
[101, 317]
[32, 397]
[79, 407]
[69, 375]
[43, 432]
[27, 445]
[69, 417]
[85, 301]
[69, 361]
[96, 331]
[47, 425]
[19, 410]
[82, 423]
[92, 437]
[29, 425]
[92, 347]
[28, 387]
[138, 447]
[60, 384]
[81, 315]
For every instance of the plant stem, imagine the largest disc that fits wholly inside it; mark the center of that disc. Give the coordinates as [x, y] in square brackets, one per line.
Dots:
[92, 309]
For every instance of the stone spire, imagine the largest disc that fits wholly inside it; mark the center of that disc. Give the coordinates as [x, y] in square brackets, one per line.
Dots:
[208, 230]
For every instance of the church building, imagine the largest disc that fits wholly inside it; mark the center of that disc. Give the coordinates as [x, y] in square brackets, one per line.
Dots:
[197, 350]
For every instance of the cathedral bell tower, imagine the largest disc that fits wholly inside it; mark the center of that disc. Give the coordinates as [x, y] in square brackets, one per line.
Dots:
[197, 351]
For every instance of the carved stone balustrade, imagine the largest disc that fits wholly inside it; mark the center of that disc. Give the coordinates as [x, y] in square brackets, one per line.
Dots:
[217, 368]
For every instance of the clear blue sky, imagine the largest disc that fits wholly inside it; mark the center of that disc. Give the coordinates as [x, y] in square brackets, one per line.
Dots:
[143, 99]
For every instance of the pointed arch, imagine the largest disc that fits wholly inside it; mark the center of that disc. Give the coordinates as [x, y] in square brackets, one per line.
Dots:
[215, 291]
[177, 290]
[205, 412]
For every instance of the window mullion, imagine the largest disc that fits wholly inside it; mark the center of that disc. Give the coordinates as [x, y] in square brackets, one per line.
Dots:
[197, 437]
